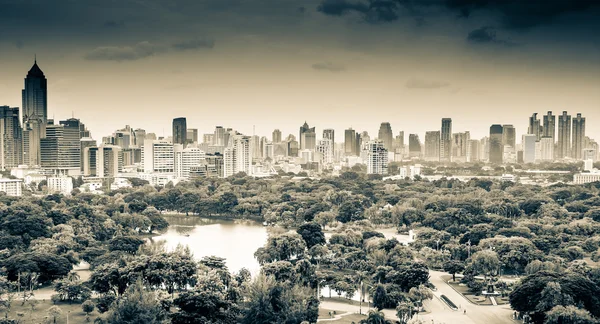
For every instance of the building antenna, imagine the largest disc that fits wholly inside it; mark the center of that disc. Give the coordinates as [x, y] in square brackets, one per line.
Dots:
[35, 58]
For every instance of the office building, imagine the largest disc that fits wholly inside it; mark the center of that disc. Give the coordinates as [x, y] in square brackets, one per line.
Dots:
[546, 149]
[158, 156]
[386, 136]
[578, 137]
[475, 150]
[192, 135]
[219, 136]
[237, 157]
[414, 146]
[276, 136]
[34, 114]
[461, 149]
[109, 161]
[509, 136]
[11, 138]
[550, 126]
[446, 140]
[179, 130]
[11, 187]
[350, 142]
[432, 146]
[308, 137]
[529, 148]
[496, 151]
[325, 149]
[535, 127]
[60, 184]
[376, 157]
[563, 140]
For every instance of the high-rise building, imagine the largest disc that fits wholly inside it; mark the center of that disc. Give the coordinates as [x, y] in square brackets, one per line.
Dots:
[308, 137]
[376, 157]
[11, 140]
[179, 130]
[509, 136]
[329, 134]
[534, 127]
[325, 151]
[446, 140]
[70, 145]
[276, 136]
[186, 159]
[578, 137]
[192, 135]
[85, 143]
[546, 148]
[563, 142]
[432, 146]
[475, 150]
[90, 160]
[386, 136]
[461, 148]
[219, 136]
[34, 114]
[237, 157]
[158, 156]
[350, 142]
[496, 147]
[529, 148]
[109, 161]
[414, 146]
[399, 143]
[550, 125]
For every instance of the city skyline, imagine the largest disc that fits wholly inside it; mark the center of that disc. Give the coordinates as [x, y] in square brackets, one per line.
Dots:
[261, 63]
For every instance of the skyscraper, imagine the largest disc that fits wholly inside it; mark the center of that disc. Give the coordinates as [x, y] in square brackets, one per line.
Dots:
[578, 137]
[496, 147]
[70, 144]
[276, 136]
[446, 140]
[11, 141]
[376, 157]
[563, 142]
[179, 130]
[432, 146]
[385, 135]
[414, 146]
[192, 135]
[35, 114]
[350, 141]
[509, 136]
[219, 136]
[329, 134]
[550, 125]
[529, 148]
[461, 147]
[308, 138]
[534, 127]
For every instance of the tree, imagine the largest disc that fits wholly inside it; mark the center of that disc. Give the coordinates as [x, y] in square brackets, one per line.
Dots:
[405, 312]
[375, 317]
[129, 244]
[350, 211]
[227, 202]
[569, 314]
[281, 247]
[453, 267]
[138, 306]
[419, 294]
[485, 262]
[380, 297]
[54, 312]
[87, 307]
[312, 234]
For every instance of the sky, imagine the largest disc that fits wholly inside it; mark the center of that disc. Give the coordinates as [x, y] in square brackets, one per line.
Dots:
[257, 65]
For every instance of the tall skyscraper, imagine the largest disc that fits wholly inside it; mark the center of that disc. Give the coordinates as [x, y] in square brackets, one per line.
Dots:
[550, 125]
[219, 136]
[179, 130]
[34, 114]
[446, 140]
[475, 150]
[399, 143]
[329, 134]
[509, 136]
[276, 136]
[386, 136]
[308, 138]
[534, 127]
[70, 144]
[237, 157]
[496, 147]
[414, 146]
[578, 137]
[11, 140]
[432, 146]
[461, 148]
[563, 142]
[350, 141]
[376, 157]
[529, 148]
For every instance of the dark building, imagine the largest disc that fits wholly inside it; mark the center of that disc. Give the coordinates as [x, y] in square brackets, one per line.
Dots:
[385, 135]
[34, 114]
[578, 137]
[446, 140]
[534, 127]
[179, 130]
[550, 126]
[563, 141]
[11, 141]
[414, 145]
[350, 142]
[308, 137]
[496, 145]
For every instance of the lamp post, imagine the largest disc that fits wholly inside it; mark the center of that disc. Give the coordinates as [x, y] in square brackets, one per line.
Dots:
[468, 248]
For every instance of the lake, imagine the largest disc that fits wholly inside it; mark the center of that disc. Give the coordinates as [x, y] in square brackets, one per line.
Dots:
[234, 240]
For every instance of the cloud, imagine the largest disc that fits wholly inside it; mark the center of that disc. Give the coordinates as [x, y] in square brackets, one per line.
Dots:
[487, 35]
[341, 7]
[416, 83]
[143, 50]
[328, 66]
[125, 53]
[193, 44]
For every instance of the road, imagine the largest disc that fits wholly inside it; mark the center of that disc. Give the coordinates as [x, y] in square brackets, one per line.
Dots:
[439, 312]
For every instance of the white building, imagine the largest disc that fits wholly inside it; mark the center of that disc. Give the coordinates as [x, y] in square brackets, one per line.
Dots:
[60, 184]
[34, 177]
[546, 149]
[529, 148]
[238, 156]
[185, 159]
[376, 156]
[586, 177]
[12, 187]
[325, 149]
[158, 156]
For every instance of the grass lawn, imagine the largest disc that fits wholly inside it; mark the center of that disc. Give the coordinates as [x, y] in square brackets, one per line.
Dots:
[346, 301]
[479, 300]
[76, 315]
[324, 313]
[349, 319]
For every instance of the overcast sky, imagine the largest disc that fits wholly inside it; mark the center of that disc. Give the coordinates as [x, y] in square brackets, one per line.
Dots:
[333, 63]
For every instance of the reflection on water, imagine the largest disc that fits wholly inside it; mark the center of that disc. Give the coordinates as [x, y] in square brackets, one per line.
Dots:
[236, 241]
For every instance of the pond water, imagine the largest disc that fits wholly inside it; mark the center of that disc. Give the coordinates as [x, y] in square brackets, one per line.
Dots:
[234, 240]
